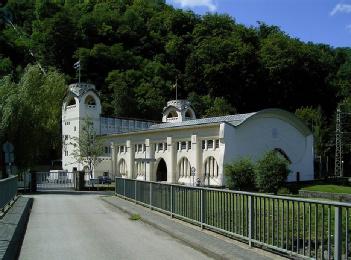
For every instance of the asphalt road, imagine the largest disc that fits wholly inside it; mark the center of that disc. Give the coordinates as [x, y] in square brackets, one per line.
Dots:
[66, 226]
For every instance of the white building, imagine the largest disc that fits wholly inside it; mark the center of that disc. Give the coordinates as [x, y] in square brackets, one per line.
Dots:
[181, 145]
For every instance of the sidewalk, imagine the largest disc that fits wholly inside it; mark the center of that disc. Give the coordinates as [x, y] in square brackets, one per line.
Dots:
[212, 244]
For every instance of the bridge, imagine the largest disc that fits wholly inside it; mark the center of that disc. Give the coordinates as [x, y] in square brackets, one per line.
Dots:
[68, 224]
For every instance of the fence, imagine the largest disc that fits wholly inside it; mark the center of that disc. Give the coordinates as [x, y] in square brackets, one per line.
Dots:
[301, 227]
[8, 191]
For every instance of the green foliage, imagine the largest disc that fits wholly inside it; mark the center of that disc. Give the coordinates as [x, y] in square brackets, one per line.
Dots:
[313, 118]
[135, 217]
[240, 175]
[29, 113]
[271, 172]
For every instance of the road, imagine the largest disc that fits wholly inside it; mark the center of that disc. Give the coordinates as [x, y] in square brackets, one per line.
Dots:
[68, 226]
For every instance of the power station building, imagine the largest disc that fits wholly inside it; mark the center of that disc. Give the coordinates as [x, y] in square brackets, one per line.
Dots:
[182, 148]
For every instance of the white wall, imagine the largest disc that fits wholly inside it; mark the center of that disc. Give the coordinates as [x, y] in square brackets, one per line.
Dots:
[261, 134]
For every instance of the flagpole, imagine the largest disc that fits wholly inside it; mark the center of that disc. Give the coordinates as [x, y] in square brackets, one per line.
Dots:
[79, 73]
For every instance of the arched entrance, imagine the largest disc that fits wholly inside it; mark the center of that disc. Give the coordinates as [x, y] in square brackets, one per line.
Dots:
[161, 173]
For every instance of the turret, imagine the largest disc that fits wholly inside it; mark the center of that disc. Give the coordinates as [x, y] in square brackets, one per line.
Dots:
[178, 111]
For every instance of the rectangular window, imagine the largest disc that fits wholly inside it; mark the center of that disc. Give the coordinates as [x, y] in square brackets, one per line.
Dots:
[140, 147]
[209, 144]
[106, 150]
[66, 137]
[144, 147]
[165, 146]
[160, 146]
[203, 144]
[217, 144]
[183, 145]
[122, 149]
[189, 145]
[178, 146]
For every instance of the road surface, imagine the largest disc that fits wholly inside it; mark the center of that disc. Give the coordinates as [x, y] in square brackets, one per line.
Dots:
[67, 226]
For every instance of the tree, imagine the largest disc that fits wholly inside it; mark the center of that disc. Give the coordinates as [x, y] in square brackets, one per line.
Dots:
[240, 175]
[271, 172]
[30, 113]
[87, 148]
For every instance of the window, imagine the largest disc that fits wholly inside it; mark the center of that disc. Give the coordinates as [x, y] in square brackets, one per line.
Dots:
[209, 144]
[203, 144]
[160, 146]
[121, 149]
[107, 150]
[189, 145]
[140, 147]
[90, 101]
[144, 147]
[75, 128]
[66, 137]
[211, 167]
[217, 143]
[66, 153]
[122, 167]
[165, 146]
[183, 145]
[71, 101]
[184, 168]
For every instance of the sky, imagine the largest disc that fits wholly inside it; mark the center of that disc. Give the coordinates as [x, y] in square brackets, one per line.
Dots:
[318, 21]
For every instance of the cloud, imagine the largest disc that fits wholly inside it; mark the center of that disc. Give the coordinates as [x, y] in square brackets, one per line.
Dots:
[341, 8]
[193, 3]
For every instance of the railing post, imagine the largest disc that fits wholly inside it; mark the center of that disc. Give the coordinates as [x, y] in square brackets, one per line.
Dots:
[171, 206]
[135, 191]
[251, 219]
[338, 233]
[202, 208]
[151, 195]
[124, 187]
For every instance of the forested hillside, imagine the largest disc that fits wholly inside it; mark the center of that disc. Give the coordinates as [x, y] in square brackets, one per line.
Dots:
[134, 51]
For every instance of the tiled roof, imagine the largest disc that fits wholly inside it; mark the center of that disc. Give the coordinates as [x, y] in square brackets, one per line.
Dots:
[231, 119]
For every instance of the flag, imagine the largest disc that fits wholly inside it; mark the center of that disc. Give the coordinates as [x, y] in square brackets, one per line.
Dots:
[77, 65]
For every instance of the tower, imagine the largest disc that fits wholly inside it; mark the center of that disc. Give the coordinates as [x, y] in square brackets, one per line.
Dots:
[178, 111]
[80, 103]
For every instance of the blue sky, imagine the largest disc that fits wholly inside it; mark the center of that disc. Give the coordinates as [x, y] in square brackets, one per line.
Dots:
[319, 21]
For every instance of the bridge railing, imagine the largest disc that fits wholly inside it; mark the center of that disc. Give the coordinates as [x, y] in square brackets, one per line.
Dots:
[295, 226]
[8, 191]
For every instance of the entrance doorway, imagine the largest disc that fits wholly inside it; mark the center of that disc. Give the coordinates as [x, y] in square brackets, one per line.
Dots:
[161, 173]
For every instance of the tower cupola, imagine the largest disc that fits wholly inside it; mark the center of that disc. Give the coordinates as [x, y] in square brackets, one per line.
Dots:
[178, 111]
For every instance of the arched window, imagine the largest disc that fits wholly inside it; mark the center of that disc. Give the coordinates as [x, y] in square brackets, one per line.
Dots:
[122, 167]
[282, 153]
[90, 101]
[71, 101]
[211, 167]
[184, 168]
[172, 114]
[140, 168]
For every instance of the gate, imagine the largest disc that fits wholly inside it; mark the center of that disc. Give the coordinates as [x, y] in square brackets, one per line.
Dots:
[57, 180]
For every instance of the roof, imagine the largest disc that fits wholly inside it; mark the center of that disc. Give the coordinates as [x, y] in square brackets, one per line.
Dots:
[231, 119]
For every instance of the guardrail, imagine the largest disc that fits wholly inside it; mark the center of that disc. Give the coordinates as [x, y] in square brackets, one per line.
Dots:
[8, 191]
[302, 227]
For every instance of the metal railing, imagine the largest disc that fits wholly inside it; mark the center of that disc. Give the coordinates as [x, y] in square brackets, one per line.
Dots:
[8, 191]
[295, 226]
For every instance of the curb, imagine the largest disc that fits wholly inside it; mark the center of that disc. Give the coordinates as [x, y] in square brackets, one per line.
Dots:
[13, 227]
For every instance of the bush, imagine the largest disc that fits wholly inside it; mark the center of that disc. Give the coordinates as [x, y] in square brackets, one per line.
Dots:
[271, 172]
[240, 175]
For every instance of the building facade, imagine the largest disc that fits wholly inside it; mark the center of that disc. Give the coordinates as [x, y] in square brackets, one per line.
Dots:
[186, 150]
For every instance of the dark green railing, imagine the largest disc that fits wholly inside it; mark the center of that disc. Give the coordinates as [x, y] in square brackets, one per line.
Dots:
[8, 191]
[301, 227]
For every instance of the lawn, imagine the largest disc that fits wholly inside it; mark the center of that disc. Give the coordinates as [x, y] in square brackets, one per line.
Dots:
[329, 188]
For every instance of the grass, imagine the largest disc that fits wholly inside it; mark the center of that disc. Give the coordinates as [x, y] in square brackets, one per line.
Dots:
[135, 217]
[329, 188]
